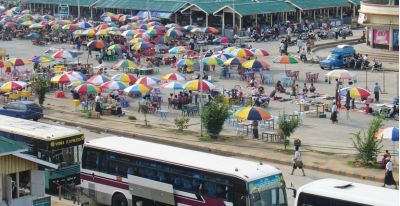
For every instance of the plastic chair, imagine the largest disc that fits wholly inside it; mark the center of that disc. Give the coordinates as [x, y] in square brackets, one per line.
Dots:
[285, 80]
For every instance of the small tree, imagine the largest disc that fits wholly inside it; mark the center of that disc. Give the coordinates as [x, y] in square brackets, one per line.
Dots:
[367, 146]
[41, 87]
[144, 109]
[213, 117]
[287, 127]
[182, 123]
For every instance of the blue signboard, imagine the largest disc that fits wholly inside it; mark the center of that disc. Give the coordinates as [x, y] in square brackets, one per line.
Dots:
[45, 201]
[266, 183]
[395, 37]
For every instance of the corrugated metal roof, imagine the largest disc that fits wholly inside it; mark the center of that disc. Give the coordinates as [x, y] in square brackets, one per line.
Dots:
[8, 146]
[170, 6]
[263, 7]
[318, 4]
[83, 3]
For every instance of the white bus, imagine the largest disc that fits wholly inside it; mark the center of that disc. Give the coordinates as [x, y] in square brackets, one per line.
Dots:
[333, 192]
[121, 171]
[60, 147]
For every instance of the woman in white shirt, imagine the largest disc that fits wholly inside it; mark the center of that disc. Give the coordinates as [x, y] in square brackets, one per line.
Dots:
[297, 162]
[334, 113]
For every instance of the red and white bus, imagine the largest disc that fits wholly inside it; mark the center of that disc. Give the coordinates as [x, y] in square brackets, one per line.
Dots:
[121, 171]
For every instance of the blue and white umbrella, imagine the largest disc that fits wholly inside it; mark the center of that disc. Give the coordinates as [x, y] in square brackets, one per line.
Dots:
[391, 133]
[172, 85]
[85, 25]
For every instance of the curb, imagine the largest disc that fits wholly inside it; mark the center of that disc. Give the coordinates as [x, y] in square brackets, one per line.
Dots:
[214, 149]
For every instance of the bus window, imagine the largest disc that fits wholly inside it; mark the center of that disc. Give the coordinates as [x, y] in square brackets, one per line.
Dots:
[92, 160]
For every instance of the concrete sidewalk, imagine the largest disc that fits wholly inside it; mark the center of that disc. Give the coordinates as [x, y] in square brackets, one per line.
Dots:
[228, 144]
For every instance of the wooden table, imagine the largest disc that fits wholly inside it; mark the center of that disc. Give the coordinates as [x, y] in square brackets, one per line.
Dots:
[271, 134]
[246, 124]
[318, 106]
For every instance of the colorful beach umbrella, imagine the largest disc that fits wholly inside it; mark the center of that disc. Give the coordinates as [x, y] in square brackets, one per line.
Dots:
[173, 77]
[188, 27]
[71, 27]
[115, 47]
[255, 64]
[222, 40]
[125, 78]
[183, 62]
[391, 133]
[222, 56]
[74, 84]
[196, 85]
[36, 26]
[149, 81]
[287, 59]
[12, 85]
[172, 25]
[96, 44]
[137, 89]
[228, 50]
[87, 89]
[123, 64]
[259, 52]
[252, 113]
[113, 85]
[16, 62]
[142, 46]
[242, 53]
[64, 54]
[172, 85]
[5, 64]
[173, 33]
[63, 78]
[355, 92]
[84, 25]
[89, 32]
[340, 74]
[212, 61]
[98, 80]
[42, 59]
[130, 33]
[136, 40]
[234, 61]
[178, 50]
[78, 75]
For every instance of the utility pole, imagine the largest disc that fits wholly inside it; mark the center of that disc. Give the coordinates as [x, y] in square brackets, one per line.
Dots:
[234, 17]
[201, 90]
[79, 9]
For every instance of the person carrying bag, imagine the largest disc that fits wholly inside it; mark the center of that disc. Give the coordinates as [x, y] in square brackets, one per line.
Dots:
[297, 162]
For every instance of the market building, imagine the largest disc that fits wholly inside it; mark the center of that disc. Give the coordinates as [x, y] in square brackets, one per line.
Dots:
[381, 18]
[21, 181]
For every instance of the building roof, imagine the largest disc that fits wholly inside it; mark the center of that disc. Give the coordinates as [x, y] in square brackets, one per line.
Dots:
[83, 3]
[8, 146]
[170, 6]
[243, 169]
[263, 7]
[318, 4]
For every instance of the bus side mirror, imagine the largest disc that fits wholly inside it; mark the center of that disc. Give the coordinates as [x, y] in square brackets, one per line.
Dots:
[293, 189]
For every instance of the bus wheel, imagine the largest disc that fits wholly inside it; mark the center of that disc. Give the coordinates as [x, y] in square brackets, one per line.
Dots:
[119, 200]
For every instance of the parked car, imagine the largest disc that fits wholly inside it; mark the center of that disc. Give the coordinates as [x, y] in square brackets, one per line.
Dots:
[23, 109]
[339, 57]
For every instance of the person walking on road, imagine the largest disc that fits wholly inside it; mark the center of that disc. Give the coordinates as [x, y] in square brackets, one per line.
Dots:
[297, 162]
[389, 180]
[377, 90]
[334, 113]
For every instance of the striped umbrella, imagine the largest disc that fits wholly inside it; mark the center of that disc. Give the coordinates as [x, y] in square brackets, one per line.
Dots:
[242, 53]
[115, 47]
[71, 27]
[74, 84]
[123, 64]
[340, 74]
[234, 61]
[97, 80]
[286, 59]
[64, 54]
[63, 78]
[96, 44]
[172, 25]
[255, 64]
[196, 85]
[102, 26]
[142, 46]
[355, 92]
[173, 76]
[212, 61]
[12, 85]
[113, 85]
[125, 78]
[178, 50]
[130, 33]
[89, 32]
[149, 81]
[137, 89]
[16, 62]
[259, 52]
[172, 85]
[222, 40]
[78, 75]
[188, 27]
[42, 59]
[36, 26]
[222, 56]
[391, 133]
[183, 62]
[228, 50]
[252, 113]
[173, 33]
[87, 89]
[84, 25]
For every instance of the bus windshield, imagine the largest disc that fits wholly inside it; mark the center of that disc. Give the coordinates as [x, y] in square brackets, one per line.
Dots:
[332, 57]
[268, 191]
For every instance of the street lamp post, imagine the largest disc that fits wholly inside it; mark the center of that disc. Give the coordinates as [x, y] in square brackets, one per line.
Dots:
[79, 9]
[233, 17]
[201, 90]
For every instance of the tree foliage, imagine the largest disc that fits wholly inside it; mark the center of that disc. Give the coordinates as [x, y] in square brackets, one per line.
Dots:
[213, 117]
[182, 123]
[41, 87]
[367, 146]
[287, 126]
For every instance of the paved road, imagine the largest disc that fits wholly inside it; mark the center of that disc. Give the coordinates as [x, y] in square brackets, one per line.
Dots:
[297, 179]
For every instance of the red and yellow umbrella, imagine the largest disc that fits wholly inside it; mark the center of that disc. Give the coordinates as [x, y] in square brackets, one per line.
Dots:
[242, 53]
[173, 77]
[126, 78]
[64, 78]
[255, 64]
[252, 113]
[234, 61]
[87, 89]
[16, 62]
[196, 85]
[355, 92]
[5, 64]
[12, 85]
[259, 52]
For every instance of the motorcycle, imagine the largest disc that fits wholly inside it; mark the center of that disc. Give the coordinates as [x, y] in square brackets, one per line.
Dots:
[377, 66]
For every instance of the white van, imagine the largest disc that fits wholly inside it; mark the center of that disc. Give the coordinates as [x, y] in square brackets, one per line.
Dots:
[333, 192]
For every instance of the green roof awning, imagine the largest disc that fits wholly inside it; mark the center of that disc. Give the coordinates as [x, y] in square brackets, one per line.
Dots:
[8, 146]
[83, 3]
[318, 4]
[170, 6]
[264, 8]
[356, 2]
